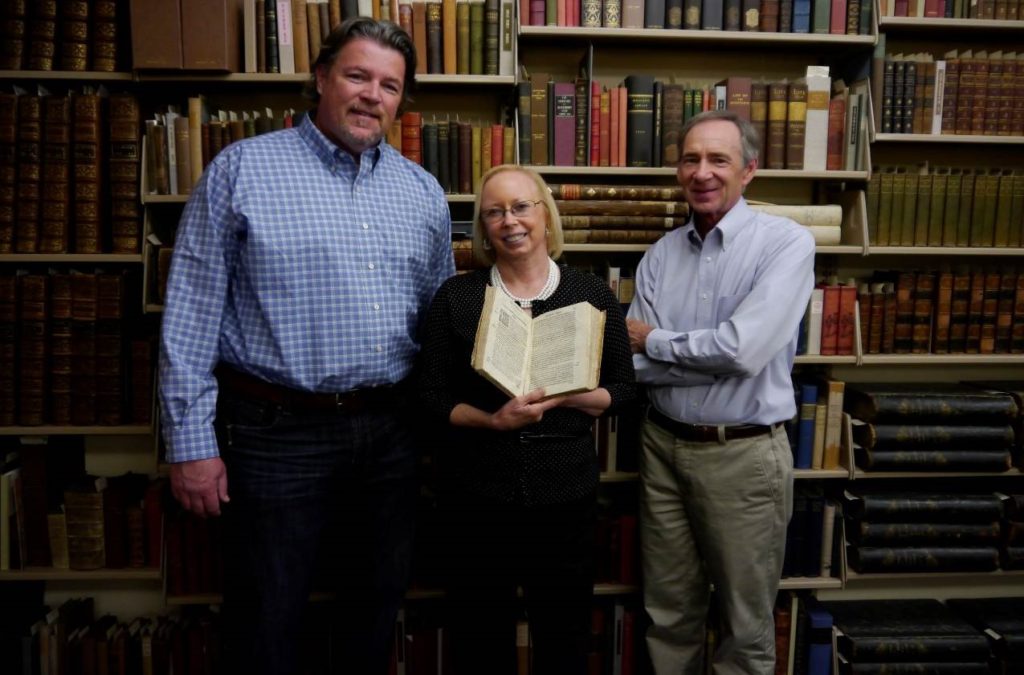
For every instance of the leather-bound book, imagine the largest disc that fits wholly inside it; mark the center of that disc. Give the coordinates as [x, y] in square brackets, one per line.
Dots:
[938, 403]
[476, 37]
[674, 13]
[8, 168]
[412, 148]
[74, 36]
[156, 30]
[183, 154]
[12, 35]
[141, 379]
[104, 35]
[671, 123]
[778, 93]
[492, 36]
[991, 461]
[110, 290]
[796, 124]
[435, 48]
[42, 35]
[61, 349]
[83, 507]
[300, 34]
[639, 120]
[922, 507]
[465, 158]
[211, 35]
[929, 533]
[539, 119]
[430, 149]
[27, 202]
[564, 123]
[923, 294]
[8, 343]
[1017, 331]
[55, 209]
[84, 302]
[1004, 311]
[33, 316]
[989, 313]
[943, 313]
[444, 156]
[462, 42]
[419, 34]
[867, 560]
[271, 50]
[87, 149]
[124, 163]
[454, 159]
[769, 16]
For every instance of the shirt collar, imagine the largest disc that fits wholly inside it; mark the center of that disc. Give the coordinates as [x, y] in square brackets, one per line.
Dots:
[728, 227]
[329, 153]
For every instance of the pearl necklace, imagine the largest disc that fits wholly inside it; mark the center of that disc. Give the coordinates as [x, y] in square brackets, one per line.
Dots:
[554, 276]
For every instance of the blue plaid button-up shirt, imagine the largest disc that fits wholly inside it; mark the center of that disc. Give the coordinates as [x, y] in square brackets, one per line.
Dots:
[296, 264]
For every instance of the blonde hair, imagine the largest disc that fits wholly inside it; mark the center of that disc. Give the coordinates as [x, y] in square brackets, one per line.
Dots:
[556, 240]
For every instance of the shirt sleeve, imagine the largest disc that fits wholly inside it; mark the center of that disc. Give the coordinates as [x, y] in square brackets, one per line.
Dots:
[761, 325]
[190, 332]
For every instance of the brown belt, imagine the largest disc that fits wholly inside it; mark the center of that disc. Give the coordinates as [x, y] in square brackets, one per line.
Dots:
[708, 433]
[252, 387]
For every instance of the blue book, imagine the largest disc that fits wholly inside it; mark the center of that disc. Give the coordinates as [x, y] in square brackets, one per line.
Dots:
[801, 16]
[819, 634]
[805, 429]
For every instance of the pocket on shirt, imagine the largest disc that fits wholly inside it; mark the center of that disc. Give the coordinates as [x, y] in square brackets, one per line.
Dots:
[727, 305]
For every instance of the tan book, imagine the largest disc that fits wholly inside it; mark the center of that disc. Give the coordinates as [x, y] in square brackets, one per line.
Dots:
[504, 353]
[300, 35]
[449, 34]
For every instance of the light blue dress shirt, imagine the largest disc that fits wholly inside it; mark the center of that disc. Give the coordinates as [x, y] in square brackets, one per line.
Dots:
[296, 264]
[726, 312]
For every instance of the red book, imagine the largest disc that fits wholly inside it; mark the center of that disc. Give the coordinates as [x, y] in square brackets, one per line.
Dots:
[497, 145]
[847, 321]
[564, 123]
[837, 18]
[836, 125]
[595, 124]
[613, 126]
[830, 321]
[411, 146]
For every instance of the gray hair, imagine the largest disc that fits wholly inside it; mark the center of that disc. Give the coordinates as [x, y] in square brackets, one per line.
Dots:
[750, 141]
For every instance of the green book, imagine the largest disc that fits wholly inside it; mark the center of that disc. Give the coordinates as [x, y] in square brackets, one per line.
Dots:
[963, 225]
[951, 212]
[872, 195]
[937, 208]
[1004, 200]
[899, 195]
[1017, 210]
[924, 204]
[909, 210]
[885, 190]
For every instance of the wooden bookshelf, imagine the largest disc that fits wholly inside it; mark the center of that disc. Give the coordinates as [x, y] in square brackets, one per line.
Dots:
[697, 37]
[50, 430]
[957, 139]
[98, 258]
[905, 24]
[89, 576]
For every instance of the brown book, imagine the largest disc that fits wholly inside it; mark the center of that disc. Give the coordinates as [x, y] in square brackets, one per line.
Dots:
[125, 158]
[300, 35]
[836, 137]
[42, 36]
[622, 208]
[491, 39]
[107, 16]
[586, 222]
[959, 312]
[759, 116]
[83, 332]
[419, 35]
[73, 40]
[904, 328]
[539, 118]
[950, 93]
[613, 236]
[211, 35]
[33, 314]
[8, 168]
[778, 93]
[156, 32]
[110, 348]
[183, 155]
[974, 313]
[141, 394]
[989, 313]
[55, 210]
[889, 324]
[412, 149]
[61, 349]
[1004, 311]
[924, 292]
[27, 205]
[1017, 332]
[83, 508]
[943, 313]
[796, 124]
[87, 162]
[979, 104]
[877, 319]
[575, 191]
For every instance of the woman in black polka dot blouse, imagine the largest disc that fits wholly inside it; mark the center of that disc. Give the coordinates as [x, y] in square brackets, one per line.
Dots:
[519, 476]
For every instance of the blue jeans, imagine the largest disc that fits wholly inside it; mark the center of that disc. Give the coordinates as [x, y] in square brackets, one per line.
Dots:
[312, 489]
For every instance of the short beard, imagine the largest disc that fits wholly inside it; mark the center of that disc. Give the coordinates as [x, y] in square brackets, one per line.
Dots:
[358, 143]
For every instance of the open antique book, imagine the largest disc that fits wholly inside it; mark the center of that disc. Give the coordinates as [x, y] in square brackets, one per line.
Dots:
[559, 351]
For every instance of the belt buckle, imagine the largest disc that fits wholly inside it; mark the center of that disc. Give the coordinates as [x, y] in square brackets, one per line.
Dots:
[341, 400]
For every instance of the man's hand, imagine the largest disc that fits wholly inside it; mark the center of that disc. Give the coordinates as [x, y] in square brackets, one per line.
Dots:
[523, 410]
[638, 332]
[200, 485]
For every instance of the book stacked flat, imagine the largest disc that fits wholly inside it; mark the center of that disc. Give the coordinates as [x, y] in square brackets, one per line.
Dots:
[907, 636]
[922, 532]
[941, 427]
[1002, 620]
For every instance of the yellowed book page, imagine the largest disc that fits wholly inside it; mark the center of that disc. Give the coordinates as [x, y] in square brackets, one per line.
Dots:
[567, 353]
[502, 346]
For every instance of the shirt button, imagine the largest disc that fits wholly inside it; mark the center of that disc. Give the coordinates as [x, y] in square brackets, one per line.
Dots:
[703, 295]
[365, 226]
[379, 348]
[708, 258]
[693, 405]
[376, 306]
[370, 266]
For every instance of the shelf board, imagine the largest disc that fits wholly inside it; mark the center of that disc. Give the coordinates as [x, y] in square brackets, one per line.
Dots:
[152, 308]
[975, 139]
[796, 583]
[460, 198]
[71, 257]
[192, 77]
[789, 174]
[605, 248]
[852, 576]
[633, 35]
[812, 474]
[807, 359]
[619, 476]
[615, 589]
[945, 250]
[841, 249]
[904, 23]
[52, 574]
[164, 199]
[47, 430]
[865, 475]
[941, 359]
[90, 75]
[465, 79]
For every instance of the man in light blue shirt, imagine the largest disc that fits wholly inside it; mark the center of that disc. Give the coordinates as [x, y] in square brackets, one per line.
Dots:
[302, 266]
[713, 328]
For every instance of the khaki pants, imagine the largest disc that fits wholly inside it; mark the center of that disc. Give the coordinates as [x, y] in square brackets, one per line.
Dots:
[713, 513]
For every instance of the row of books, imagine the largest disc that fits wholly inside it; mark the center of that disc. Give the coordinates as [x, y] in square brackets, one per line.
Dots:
[945, 206]
[812, 123]
[70, 354]
[836, 17]
[56, 516]
[949, 427]
[964, 92]
[810, 538]
[997, 10]
[76, 36]
[73, 162]
[940, 312]
[456, 153]
[815, 433]
[967, 636]
[829, 324]
[803, 635]
[179, 147]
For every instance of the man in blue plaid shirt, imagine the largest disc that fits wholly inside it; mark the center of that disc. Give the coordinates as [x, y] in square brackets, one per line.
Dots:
[302, 265]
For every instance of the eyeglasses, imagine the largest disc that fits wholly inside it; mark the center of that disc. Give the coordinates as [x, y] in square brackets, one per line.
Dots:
[520, 209]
